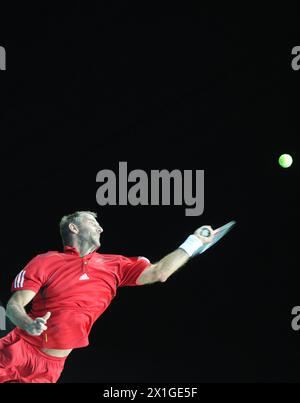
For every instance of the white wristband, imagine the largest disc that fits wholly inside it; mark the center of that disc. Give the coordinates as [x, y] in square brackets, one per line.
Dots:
[191, 245]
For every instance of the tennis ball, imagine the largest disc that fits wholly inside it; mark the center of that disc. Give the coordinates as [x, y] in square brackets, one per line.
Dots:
[285, 160]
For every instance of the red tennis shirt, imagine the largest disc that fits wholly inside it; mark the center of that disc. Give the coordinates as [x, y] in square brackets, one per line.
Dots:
[76, 290]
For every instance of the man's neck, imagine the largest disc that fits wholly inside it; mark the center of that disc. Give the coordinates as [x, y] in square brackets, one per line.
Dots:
[83, 248]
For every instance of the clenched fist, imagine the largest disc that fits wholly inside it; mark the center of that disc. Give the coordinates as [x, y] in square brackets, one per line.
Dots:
[38, 325]
[205, 239]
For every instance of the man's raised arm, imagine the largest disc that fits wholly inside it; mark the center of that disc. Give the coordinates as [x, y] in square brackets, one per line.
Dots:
[163, 269]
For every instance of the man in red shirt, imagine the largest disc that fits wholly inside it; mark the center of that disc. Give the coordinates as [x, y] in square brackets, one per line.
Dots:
[69, 290]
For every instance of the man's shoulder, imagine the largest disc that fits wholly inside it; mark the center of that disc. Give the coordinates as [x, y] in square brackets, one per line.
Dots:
[112, 257]
[52, 254]
[106, 257]
[43, 261]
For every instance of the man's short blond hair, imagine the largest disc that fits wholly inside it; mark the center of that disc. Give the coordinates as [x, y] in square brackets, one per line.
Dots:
[71, 218]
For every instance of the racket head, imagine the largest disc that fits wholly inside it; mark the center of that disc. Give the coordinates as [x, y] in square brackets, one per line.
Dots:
[219, 233]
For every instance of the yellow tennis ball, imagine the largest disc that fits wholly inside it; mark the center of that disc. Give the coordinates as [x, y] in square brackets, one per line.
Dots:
[285, 160]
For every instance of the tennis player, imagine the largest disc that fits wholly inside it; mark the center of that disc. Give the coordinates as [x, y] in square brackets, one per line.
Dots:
[69, 290]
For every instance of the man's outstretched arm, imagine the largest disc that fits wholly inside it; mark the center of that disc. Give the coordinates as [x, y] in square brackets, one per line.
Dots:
[162, 270]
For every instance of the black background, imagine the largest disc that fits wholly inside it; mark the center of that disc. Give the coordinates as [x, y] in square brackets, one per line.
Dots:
[175, 88]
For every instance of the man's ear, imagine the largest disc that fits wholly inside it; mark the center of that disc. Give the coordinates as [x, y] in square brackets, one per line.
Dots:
[73, 228]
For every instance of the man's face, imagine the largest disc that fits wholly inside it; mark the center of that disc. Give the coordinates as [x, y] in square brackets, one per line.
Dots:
[90, 230]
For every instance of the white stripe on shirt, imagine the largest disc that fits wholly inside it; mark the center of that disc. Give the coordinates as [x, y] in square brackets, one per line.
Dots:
[19, 281]
[22, 278]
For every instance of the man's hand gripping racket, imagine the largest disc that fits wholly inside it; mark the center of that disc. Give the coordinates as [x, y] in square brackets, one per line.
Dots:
[205, 237]
[209, 237]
